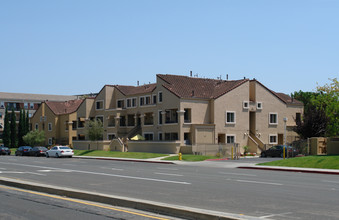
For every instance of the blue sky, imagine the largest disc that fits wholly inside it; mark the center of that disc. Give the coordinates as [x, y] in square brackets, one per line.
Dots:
[77, 46]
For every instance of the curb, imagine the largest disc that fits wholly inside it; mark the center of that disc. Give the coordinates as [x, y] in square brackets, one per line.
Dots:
[292, 170]
[144, 205]
[120, 159]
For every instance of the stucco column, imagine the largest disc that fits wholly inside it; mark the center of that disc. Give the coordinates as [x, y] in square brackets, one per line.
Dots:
[163, 116]
[142, 117]
[70, 123]
[181, 120]
[117, 122]
[135, 120]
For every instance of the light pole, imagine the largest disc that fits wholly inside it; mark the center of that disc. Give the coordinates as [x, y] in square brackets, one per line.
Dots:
[285, 120]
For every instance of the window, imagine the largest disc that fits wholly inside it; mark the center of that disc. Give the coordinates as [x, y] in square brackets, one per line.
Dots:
[81, 122]
[50, 126]
[134, 102]
[148, 100]
[230, 139]
[111, 121]
[100, 118]
[246, 105]
[142, 101]
[2, 104]
[160, 97]
[31, 105]
[171, 116]
[154, 99]
[50, 141]
[36, 126]
[230, 117]
[148, 136]
[160, 136]
[99, 105]
[273, 139]
[297, 117]
[273, 118]
[121, 103]
[259, 105]
[187, 115]
[26, 105]
[171, 136]
[148, 120]
[129, 103]
[160, 117]
[74, 125]
[110, 136]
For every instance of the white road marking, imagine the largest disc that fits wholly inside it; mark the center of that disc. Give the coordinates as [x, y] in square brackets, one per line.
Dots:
[272, 215]
[103, 174]
[238, 174]
[329, 181]
[63, 171]
[268, 183]
[163, 168]
[39, 174]
[117, 169]
[112, 168]
[11, 172]
[169, 174]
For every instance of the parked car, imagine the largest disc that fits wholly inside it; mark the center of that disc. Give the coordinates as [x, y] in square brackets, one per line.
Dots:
[60, 151]
[38, 151]
[5, 150]
[277, 151]
[23, 151]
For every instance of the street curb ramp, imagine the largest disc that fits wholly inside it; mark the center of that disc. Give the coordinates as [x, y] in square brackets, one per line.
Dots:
[144, 205]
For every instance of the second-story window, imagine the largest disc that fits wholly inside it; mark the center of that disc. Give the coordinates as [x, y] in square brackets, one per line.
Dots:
[160, 97]
[230, 117]
[26, 105]
[273, 118]
[142, 101]
[121, 103]
[99, 105]
[49, 126]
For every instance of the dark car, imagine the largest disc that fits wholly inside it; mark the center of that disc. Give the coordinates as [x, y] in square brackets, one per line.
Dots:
[5, 151]
[23, 151]
[38, 151]
[277, 151]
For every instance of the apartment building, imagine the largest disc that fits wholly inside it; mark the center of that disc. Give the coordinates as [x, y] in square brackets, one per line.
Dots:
[187, 111]
[28, 102]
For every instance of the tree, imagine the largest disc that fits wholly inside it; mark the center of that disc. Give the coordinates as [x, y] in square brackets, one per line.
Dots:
[6, 136]
[14, 137]
[34, 138]
[95, 130]
[21, 127]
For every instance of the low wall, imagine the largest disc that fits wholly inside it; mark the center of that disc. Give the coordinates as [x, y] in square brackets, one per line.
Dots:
[91, 145]
[333, 146]
[154, 147]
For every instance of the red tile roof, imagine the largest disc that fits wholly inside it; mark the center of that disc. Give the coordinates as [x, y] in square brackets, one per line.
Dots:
[190, 87]
[135, 90]
[67, 107]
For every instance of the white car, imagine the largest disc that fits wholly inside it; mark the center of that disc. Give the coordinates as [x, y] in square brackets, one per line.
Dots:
[60, 151]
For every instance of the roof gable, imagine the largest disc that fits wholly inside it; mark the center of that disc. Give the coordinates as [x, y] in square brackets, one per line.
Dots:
[135, 90]
[189, 87]
[67, 107]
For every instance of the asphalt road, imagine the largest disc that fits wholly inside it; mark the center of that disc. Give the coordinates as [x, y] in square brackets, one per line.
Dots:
[25, 204]
[263, 194]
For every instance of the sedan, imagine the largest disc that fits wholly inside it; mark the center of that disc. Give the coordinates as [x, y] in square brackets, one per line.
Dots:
[23, 151]
[5, 151]
[277, 151]
[38, 151]
[60, 151]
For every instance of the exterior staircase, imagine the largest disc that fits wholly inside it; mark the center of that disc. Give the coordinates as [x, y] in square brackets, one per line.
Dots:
[136, 130]
[257, 141]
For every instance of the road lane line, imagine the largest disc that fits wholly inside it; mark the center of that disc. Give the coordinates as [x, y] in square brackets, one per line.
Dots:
[162, 168]
[103, 174]
[39, 174]
[82, 202]
[169, 174]
[272, 215]
[329, 181]
[268, 183]
[238, 174]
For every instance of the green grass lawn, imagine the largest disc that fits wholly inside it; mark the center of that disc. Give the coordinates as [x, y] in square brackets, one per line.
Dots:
[323, 162]
[191, 157]
[135, 155]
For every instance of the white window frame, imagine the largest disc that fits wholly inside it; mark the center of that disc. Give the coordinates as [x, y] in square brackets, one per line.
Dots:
[123, 103]
[269, 118]
[130, 100]
[162, 97]
[232, 122]
[273, 135]
[156, 99]
[259, 103]
[49, 126]
[161, 135]
[135, 104]
[143, 134]
[102, 101]
[144, 102]
[108, 134]
[231, 135]
[36, 126]
[244, 103]
[50, 141]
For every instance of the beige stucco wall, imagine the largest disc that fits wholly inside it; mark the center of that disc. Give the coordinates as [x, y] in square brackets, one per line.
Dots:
[154, 147]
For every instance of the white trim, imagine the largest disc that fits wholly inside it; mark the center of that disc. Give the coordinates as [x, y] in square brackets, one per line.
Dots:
[269, 118]
[231, 135]
[245, 103]
[102, 105]
[232, 122]
[49, 125]
[273, 135]
[260, 105]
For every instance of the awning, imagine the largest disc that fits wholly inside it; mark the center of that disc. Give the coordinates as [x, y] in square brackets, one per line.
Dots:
[138, 137]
